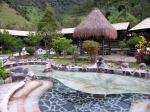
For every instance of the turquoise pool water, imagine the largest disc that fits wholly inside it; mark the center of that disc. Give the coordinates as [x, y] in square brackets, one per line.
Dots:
[96, 83]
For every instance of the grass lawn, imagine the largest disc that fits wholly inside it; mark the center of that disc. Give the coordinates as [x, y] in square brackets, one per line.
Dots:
[135, 65]
[83, 62]
[69, 61]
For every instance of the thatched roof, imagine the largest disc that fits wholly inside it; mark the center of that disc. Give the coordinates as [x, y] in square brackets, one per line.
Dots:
[118, 26]
[95, 25]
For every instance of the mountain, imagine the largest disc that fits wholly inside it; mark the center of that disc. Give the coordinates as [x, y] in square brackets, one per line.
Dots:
[70, 12]
[9, 18]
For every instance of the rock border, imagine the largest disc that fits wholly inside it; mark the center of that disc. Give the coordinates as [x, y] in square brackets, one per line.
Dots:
[139, 73]
[119, 71]
[6, 81]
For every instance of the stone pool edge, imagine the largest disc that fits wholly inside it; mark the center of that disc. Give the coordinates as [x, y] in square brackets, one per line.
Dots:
[124, 72]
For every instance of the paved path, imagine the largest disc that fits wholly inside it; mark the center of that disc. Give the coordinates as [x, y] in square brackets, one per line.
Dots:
[113, 57]
[32, 101]
[119, 58]
[140, 106]
[26, 99]
[4, 88]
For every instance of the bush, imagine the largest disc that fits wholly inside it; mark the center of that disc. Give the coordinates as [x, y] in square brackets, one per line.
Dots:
[133, 41]
[74, 52]
[31, 50]
[3, 73]
[61, 44]
[68, 52]
[7, 52]
[142, 43]
[122, 44]
[48, 56]
[91, 47]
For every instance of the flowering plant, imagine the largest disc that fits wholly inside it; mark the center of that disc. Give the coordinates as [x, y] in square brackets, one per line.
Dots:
[142, 43]
[147, 52]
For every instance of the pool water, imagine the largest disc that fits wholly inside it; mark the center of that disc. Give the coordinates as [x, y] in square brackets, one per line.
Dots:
[96, 83]
[90, 92]
[64, 99]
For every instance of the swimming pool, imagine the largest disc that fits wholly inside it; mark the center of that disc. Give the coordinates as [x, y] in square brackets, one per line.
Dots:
[90, 92]
[96, 83]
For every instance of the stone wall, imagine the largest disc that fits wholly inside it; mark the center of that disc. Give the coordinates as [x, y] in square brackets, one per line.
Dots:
[119, 71]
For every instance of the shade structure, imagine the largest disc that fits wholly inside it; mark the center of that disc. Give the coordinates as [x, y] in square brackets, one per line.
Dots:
[95, 25]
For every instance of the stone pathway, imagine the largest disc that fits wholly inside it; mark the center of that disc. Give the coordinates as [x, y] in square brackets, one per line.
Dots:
[64, 99]
[4, 88]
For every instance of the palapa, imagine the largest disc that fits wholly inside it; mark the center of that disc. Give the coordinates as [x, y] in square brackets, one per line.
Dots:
[95, 25]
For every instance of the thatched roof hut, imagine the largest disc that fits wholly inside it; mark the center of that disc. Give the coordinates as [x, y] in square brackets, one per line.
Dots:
[95, 25]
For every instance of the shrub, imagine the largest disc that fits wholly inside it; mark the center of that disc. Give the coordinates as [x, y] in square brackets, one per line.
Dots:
[122, 44]
[133, 41]
[74, 50]
[3, 73]
[31, 50]
[142, 43]
[60, 44]
[48, 56]
[91, 47]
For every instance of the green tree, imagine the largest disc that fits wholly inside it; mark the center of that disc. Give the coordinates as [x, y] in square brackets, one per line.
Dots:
[19, 45]
[48, 26]
[33, 39]
[92, 48]
[9, 42]
[60, 44]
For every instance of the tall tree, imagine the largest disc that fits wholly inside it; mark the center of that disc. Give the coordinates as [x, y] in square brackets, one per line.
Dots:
[48, 26]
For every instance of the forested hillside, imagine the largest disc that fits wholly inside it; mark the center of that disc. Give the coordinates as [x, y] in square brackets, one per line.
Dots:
[71, 12]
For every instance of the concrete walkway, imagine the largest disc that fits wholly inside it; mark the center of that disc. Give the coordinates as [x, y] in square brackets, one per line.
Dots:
[140, 106]
[4, 88]
[113, 57]
[26, 99]
[119, 58]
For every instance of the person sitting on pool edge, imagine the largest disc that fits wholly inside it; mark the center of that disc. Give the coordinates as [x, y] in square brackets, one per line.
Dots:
[99, 62]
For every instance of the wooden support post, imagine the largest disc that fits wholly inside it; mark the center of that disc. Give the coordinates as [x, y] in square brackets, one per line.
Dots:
[109, 47]
[103, 46]
[81, 48]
